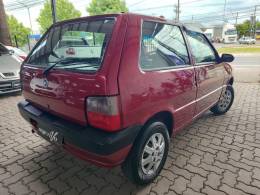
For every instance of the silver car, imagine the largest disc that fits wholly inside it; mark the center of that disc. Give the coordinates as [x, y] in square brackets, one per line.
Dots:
[246, 40]
[9, 71]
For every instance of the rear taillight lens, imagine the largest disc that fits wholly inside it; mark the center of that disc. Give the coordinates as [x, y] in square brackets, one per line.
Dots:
[22, 58]
[103, 113]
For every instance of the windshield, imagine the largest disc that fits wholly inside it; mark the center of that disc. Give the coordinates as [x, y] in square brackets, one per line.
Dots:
[84, 43]
[3, 49]
[231, 32]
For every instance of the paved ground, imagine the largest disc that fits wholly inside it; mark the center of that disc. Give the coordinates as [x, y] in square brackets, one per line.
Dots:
[246, 68]
[244, 60]
[218, 45]
[215, 155]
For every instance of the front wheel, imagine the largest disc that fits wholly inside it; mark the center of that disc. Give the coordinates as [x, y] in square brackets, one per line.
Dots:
[148, 155]
[225, 101]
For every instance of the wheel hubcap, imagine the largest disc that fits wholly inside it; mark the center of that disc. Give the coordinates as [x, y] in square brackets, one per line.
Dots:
[225, 100]
[153, 153]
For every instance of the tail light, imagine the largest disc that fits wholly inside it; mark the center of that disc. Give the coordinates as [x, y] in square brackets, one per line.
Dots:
[103, 113]
[23, 57]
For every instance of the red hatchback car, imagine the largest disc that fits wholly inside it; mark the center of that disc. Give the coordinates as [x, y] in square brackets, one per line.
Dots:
[112, 89]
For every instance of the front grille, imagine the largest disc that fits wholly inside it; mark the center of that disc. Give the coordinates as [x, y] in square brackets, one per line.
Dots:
[8, 74]
[10, 85]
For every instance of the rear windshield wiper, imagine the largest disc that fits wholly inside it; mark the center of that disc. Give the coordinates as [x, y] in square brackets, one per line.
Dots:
[62, 61]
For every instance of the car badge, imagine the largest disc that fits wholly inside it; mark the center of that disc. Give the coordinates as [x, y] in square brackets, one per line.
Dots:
[45, 83]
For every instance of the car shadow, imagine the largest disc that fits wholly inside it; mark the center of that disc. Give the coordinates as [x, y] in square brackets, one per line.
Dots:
[54, 171]
[8, 95]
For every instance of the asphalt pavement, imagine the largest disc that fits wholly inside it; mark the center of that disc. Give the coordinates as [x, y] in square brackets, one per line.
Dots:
[246, 60]
[246, 68]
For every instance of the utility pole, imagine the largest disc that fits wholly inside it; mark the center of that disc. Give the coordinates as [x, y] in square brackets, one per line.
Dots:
[177, 11]
[53, 9]
[4, 30]
[236, 18]
[224, 11]
[29, 14]
[254, 27]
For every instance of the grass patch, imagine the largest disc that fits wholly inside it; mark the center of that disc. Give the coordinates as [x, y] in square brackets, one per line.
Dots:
[239, 50]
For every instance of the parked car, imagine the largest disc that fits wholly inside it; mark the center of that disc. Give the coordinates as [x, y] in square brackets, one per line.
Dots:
[18, 52]
[9, 71]
[119, 99]
[246, 40]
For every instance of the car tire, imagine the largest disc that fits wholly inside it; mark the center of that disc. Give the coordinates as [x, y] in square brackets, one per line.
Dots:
[225, 101]
[135, 167]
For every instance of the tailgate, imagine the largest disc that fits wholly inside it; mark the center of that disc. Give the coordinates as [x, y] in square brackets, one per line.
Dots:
[61, 93]
[93, 45]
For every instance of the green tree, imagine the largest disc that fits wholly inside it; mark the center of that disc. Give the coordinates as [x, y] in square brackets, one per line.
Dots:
[106, 6]
[19, 30]
[258, 25]
[244, 28]
[64, 9]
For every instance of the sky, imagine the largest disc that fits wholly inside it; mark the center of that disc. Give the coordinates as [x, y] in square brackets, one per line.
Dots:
[204, 11]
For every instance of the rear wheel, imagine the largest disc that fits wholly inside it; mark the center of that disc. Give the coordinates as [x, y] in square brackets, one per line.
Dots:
[225, 101]
[148, 155]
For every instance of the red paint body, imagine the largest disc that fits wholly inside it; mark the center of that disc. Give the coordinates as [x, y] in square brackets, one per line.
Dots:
[185, 93]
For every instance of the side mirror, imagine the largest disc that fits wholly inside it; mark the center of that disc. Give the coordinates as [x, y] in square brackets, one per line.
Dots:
[11, 52]
[227, 58]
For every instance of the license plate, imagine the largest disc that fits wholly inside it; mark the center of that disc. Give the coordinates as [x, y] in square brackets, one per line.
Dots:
[51, 136]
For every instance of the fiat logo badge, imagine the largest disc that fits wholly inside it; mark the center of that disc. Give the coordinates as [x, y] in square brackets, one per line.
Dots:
[45, 83]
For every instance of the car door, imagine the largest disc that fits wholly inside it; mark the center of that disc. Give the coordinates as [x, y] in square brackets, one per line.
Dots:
[165, 80]
[209, 73]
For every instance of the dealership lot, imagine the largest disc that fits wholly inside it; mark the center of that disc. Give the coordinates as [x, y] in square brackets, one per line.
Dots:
[216, 154]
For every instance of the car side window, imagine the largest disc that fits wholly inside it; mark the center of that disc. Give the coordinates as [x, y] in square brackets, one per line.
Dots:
[162, 47]
[201, 49]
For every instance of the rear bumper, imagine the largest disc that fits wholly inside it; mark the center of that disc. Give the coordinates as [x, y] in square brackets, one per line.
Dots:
[90, 144]
[10, 86]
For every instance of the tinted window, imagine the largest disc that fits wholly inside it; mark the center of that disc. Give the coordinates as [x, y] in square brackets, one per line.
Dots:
[83, 42]
[162, 46]
[3, 49]
[201, 50]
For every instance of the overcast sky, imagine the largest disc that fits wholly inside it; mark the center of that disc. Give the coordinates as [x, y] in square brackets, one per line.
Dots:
[198, 9]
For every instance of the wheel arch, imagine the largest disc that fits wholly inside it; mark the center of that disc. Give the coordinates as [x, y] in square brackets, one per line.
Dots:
[163, 116]
[230, 81]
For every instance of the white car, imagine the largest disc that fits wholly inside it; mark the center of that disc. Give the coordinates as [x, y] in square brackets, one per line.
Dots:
[18, 52]
[10, 65]
[246, 40]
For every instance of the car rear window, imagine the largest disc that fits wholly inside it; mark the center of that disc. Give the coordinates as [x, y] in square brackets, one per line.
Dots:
[83, 42]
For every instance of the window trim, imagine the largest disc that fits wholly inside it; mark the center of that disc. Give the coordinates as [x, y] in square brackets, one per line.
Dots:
[163, 68]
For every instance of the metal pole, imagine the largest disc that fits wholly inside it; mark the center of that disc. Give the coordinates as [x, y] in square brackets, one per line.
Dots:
[225, 4]
[29, 14]
[28, 40]
[178, 11]
[53, 9]
[254, 30]
[16, 42]
[236, 18]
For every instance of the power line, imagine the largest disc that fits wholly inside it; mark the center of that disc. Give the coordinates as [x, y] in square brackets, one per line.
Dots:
[216, 14]
[16, 5]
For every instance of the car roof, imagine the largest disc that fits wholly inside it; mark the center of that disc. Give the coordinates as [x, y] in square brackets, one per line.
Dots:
[129, 14]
